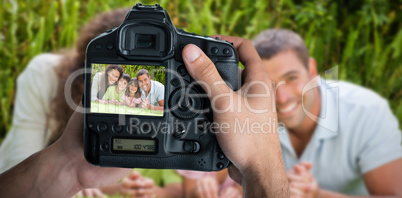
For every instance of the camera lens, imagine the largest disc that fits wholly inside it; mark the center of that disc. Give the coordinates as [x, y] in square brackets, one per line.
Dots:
[145, 41]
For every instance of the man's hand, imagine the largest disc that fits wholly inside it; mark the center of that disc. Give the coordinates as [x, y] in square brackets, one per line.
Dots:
[145, 104]
[254, 151]
[302, 182]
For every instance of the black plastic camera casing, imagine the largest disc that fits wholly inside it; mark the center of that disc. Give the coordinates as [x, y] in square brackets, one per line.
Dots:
[186, 139]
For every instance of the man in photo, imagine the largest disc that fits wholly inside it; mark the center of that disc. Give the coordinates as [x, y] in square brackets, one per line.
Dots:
[152, 92]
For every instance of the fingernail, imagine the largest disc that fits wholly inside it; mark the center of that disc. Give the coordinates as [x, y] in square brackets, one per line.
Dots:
[192, 52]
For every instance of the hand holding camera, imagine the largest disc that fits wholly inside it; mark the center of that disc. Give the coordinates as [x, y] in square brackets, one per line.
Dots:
[247, 147]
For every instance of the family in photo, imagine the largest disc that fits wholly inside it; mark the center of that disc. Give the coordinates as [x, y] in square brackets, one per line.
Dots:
[113, 86]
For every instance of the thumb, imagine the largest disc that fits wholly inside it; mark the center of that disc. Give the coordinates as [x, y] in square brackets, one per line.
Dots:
[203, 70]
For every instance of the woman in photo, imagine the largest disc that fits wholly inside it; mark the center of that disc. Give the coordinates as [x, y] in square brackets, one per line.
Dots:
[102, 81]
[132, 95]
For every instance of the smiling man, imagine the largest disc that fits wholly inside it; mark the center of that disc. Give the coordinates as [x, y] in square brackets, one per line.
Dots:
[152, 92]
[346, 132]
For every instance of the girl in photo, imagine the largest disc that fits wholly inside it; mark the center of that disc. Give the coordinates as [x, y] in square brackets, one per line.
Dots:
[132, 95]
[114, 94]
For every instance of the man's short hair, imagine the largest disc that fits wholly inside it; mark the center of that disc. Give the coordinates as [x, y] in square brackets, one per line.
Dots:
[142, 72]
[273, 41]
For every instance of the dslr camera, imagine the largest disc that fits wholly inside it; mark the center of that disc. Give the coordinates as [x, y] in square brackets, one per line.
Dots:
[176, 135]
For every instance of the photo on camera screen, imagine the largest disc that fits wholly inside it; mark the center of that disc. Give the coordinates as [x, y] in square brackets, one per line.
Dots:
[127, 89]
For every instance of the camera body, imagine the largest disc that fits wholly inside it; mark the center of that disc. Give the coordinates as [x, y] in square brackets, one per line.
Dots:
[179, 137]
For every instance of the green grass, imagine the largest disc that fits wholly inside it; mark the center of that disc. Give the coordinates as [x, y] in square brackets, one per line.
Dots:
[363, 38]
[97, 107]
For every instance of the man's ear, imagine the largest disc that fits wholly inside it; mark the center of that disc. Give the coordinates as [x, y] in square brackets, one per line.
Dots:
[312, 67]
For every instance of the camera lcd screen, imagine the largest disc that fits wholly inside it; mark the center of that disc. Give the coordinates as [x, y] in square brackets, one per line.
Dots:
[127, 89]
[135, 145]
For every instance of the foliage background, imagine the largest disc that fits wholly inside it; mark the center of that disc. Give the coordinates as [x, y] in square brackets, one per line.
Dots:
[157, 73]
[363, 37]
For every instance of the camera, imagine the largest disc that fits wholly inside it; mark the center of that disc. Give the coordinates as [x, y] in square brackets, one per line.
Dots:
[141, 107]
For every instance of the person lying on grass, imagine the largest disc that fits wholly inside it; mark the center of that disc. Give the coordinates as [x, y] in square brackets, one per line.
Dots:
[132, 95]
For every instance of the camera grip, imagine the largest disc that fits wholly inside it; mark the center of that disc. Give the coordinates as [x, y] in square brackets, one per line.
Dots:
[229, 72]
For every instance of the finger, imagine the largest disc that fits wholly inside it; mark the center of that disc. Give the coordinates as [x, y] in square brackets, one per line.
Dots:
[206, 191]
[144, 192]
[134, 175]
[201, 191]
[230, 193]
[98, 193]
[139, 183]
[294, 192]
[213, 188]
[296, 178]
[148, 183]
[203, 70]
[299, 168]
[307, 165]
[303, 187]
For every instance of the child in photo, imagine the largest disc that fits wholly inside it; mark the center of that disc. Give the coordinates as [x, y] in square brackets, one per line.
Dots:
[132, 95]
[114, 94]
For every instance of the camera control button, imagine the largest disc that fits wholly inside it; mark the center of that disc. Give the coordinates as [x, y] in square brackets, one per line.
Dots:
[188, 146]
[191, 147]
[221, 156]
[105, 146]
[98, 46]
[109, 46]
[214, 50]
[220, 166]
[117, 128]
[102, 127]
[175, 82]
[182, 70]
[226, 51]
[196, 147]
